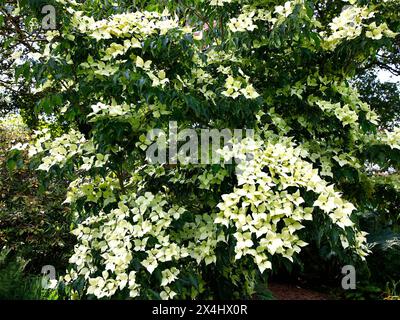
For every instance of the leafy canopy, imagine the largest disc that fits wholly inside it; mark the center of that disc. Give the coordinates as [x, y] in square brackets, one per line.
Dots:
[110, 73]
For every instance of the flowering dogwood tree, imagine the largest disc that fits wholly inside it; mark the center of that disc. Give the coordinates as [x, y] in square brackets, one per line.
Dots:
[283, 69]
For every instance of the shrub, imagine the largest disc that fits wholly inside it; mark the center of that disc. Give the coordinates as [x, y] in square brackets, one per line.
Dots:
[184, 230]
[15, 284]
[33, 221]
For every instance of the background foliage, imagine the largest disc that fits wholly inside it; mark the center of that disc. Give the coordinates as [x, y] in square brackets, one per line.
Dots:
[291, 75]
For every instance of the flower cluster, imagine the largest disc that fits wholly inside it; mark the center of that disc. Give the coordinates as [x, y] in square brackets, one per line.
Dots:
[392, 138]
[350, 25]
[265, 214]
[234, 88]
[124, 25]
[59, 150]
[135, 231]
[242, 23]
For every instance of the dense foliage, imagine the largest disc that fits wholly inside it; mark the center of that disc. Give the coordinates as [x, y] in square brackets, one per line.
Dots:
[15, 284]
[109, 74]
[33, 221]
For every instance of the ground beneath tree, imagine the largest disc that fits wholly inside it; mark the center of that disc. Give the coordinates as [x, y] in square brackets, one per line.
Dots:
[283, 291]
